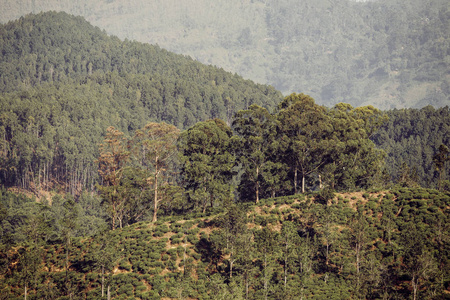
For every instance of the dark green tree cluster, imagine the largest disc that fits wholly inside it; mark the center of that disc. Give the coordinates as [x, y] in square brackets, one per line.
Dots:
[308, 146]
[415, 141]
[262, 154]
[207, 163]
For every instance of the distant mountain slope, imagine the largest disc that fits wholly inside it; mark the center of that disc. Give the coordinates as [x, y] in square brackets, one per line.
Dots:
[388, 53]
[63, 82]
[56, 47]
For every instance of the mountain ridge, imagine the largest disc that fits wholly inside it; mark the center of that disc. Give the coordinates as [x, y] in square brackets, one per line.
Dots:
[383, 53]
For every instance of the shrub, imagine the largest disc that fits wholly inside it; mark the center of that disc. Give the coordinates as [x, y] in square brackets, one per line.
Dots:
[260, 220]
[202, 224]
[296, 206]
[158, 233]
[125, 265]
[290, 201]
[273, 219]
[154, 256]
[193, 231]
[275, 211]
[172, 265]
[175, 240]
[140, 288]
[196, 255]
[192, 239]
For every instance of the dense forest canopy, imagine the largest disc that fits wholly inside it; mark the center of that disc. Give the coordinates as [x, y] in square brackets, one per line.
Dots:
[386, 53]
[63, 82]
[412, 139]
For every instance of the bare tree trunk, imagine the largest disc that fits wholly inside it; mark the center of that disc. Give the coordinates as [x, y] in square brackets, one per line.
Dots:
[295, 179]
[231, 263]
[257, 185]
[285, 266]
[231, 268]
[113, 222]
[265, 277]
[103, 281]
[184, 256]
[155, 205]
[303, 183]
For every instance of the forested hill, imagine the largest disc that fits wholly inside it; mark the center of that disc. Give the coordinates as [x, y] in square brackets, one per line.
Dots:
[57, 47]
[386, 53]
[63, 82]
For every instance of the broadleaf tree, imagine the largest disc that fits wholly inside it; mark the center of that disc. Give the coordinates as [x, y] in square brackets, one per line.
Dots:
[112, 161]
[207, 162]
[255, 130]
[158, 148]
[307, 128]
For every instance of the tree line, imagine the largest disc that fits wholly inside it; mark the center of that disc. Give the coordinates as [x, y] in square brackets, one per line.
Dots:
[386, 53]
[301, 147]
[52, 118]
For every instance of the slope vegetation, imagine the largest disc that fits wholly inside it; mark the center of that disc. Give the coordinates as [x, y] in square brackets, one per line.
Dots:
[346, 246]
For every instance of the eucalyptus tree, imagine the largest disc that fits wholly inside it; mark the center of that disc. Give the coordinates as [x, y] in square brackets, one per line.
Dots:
[354, 161]
[440, 160]
[267, 246]
[207, 162]
[104, 254]
[289, 242]
[306, 128]
[69, 224]
[234, 231]
[111, 164]
[158, 148]
[419, 263]
[255, 130]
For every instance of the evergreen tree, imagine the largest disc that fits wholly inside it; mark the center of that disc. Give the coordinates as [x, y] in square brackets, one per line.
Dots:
[254, 144]
[440, 160]
[207, 163]
[112, 161]
[158, 147]
[307, 128]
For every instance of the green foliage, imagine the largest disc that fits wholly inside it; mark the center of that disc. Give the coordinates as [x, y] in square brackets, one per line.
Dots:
[297, 246]
[322, 251]
[412, 138]
[52, 103]
[207, 164]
